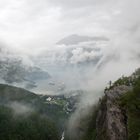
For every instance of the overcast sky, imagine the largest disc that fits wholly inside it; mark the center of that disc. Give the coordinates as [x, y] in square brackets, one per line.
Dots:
[35, 24]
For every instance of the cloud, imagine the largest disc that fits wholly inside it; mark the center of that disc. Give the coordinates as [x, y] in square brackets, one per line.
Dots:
[79, 3]
[28, 24]
[79, 56]
[20, 109]
[33, 26]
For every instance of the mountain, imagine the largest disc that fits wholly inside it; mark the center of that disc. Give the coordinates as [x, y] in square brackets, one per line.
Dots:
[21, 116]
[76, 39]
[13, 70]
[26, 115]
[63, 61]
[75, 50]
[121, 110]
[115, 116]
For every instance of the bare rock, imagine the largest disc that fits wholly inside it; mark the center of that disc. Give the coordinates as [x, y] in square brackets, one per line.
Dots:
[111, 121]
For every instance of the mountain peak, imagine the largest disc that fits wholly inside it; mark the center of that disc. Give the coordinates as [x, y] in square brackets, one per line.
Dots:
[74, 39]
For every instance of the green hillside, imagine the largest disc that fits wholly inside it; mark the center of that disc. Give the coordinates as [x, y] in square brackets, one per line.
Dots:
[27, 116]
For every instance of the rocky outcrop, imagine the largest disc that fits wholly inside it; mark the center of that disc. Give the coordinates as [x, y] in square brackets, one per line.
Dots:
[111, 120]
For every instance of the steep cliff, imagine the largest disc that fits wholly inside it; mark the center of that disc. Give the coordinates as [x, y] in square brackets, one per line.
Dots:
[119, 111]
[111, 120]
[114, 117]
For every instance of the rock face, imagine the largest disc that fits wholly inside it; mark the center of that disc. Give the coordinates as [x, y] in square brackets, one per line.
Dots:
[111, 120]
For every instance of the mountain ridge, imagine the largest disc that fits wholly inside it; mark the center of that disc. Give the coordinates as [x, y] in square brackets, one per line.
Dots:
[76, 39]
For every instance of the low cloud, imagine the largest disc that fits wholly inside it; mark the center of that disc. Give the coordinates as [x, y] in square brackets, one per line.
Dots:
[20, 108]
[33, 27]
